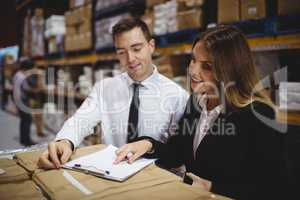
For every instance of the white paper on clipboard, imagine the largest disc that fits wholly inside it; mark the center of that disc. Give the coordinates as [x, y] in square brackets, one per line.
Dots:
[104, 160]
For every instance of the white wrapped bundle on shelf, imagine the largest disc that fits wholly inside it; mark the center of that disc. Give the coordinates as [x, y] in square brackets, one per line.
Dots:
[85, 81]
[55, 25]
[37, 33]
[103, 30]
[103, 4]
[289, 96]
[85, 85]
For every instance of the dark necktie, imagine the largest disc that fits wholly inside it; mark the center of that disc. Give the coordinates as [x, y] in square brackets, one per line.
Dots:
[133, 119]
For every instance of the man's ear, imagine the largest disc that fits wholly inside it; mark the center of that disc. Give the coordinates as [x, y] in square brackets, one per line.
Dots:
[152, 45]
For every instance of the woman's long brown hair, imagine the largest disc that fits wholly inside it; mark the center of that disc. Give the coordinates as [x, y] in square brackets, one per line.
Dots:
[233, 65]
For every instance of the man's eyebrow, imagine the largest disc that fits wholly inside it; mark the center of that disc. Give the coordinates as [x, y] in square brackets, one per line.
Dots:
[132, 46]
[137, 44]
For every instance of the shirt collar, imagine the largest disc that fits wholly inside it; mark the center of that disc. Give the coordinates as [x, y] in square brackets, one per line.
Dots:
[202, 100]
[145, 83]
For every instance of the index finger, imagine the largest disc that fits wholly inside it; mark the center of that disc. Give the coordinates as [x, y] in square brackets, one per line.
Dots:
[44, 162]
[53, 154]
[121, 156]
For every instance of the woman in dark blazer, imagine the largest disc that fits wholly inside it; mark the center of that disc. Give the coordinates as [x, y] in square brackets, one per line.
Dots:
[227, 137]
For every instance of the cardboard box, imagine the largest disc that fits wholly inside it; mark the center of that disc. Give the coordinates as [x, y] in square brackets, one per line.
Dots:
[253, 9]
[13, 172]
[189, 19]
[85, 41]
[286, 7]
[85, 12]
[20, 190]
[191, 3]
[78, 42]
[148, 18]
[72, 18]
[79, 15]
[85, 27]
[52, 48]
[151, 3]
[71, 30]
[228, 11]
[70, 43]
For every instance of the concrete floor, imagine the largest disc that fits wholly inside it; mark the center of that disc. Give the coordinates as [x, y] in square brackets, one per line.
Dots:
[9, 132]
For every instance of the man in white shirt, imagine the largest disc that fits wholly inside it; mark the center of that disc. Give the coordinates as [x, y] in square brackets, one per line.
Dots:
[138, 102]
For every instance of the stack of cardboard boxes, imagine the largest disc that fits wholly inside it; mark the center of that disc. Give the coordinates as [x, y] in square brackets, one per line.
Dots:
[170, 16]
[104, 4]
[172, 65]
[236, 10]
[54, 33]
[79, 28]
[103, 30]
[78, 3]
[287, 7]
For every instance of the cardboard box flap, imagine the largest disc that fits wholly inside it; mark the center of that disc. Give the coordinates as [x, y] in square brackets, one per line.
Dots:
[20, 191]
[12, 172]
[58, 187]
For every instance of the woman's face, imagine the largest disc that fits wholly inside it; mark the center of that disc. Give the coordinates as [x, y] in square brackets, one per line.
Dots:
[201, 71]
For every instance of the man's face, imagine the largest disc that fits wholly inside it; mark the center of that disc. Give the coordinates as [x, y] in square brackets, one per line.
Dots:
[135, 53]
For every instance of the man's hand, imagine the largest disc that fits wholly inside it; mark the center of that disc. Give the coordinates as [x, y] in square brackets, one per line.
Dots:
[57, 154]
[135, 150]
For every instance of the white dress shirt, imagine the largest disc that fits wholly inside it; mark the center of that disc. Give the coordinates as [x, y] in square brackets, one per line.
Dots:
[162, 103]
[206, 121]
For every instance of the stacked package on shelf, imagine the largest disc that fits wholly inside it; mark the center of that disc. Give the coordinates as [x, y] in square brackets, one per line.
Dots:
[106, 71]
[103, 4]
[170, 16]
[288, 7]
[63, 78]
[228, 11]
[236, 10]
[103, 27]
[78, 3]
[289, 96]
[54, 33]
[26, 47]
[103, 30]
[85, 81]
[165, 17]
[78, 28]
[253, 9]
[172, 65]
[37, 33]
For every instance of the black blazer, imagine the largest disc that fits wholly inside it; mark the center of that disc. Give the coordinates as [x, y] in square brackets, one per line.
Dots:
[240, 155]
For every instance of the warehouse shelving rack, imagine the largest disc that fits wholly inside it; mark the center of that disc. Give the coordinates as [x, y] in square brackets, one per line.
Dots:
[269, 34]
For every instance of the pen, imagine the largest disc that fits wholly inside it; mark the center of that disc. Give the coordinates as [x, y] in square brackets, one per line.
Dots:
[79, 167]
[129, 154]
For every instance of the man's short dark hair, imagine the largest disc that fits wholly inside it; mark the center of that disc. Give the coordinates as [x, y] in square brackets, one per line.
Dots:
[128, 24]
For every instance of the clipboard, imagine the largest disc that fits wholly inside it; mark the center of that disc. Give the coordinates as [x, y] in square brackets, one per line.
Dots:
[100, 164]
